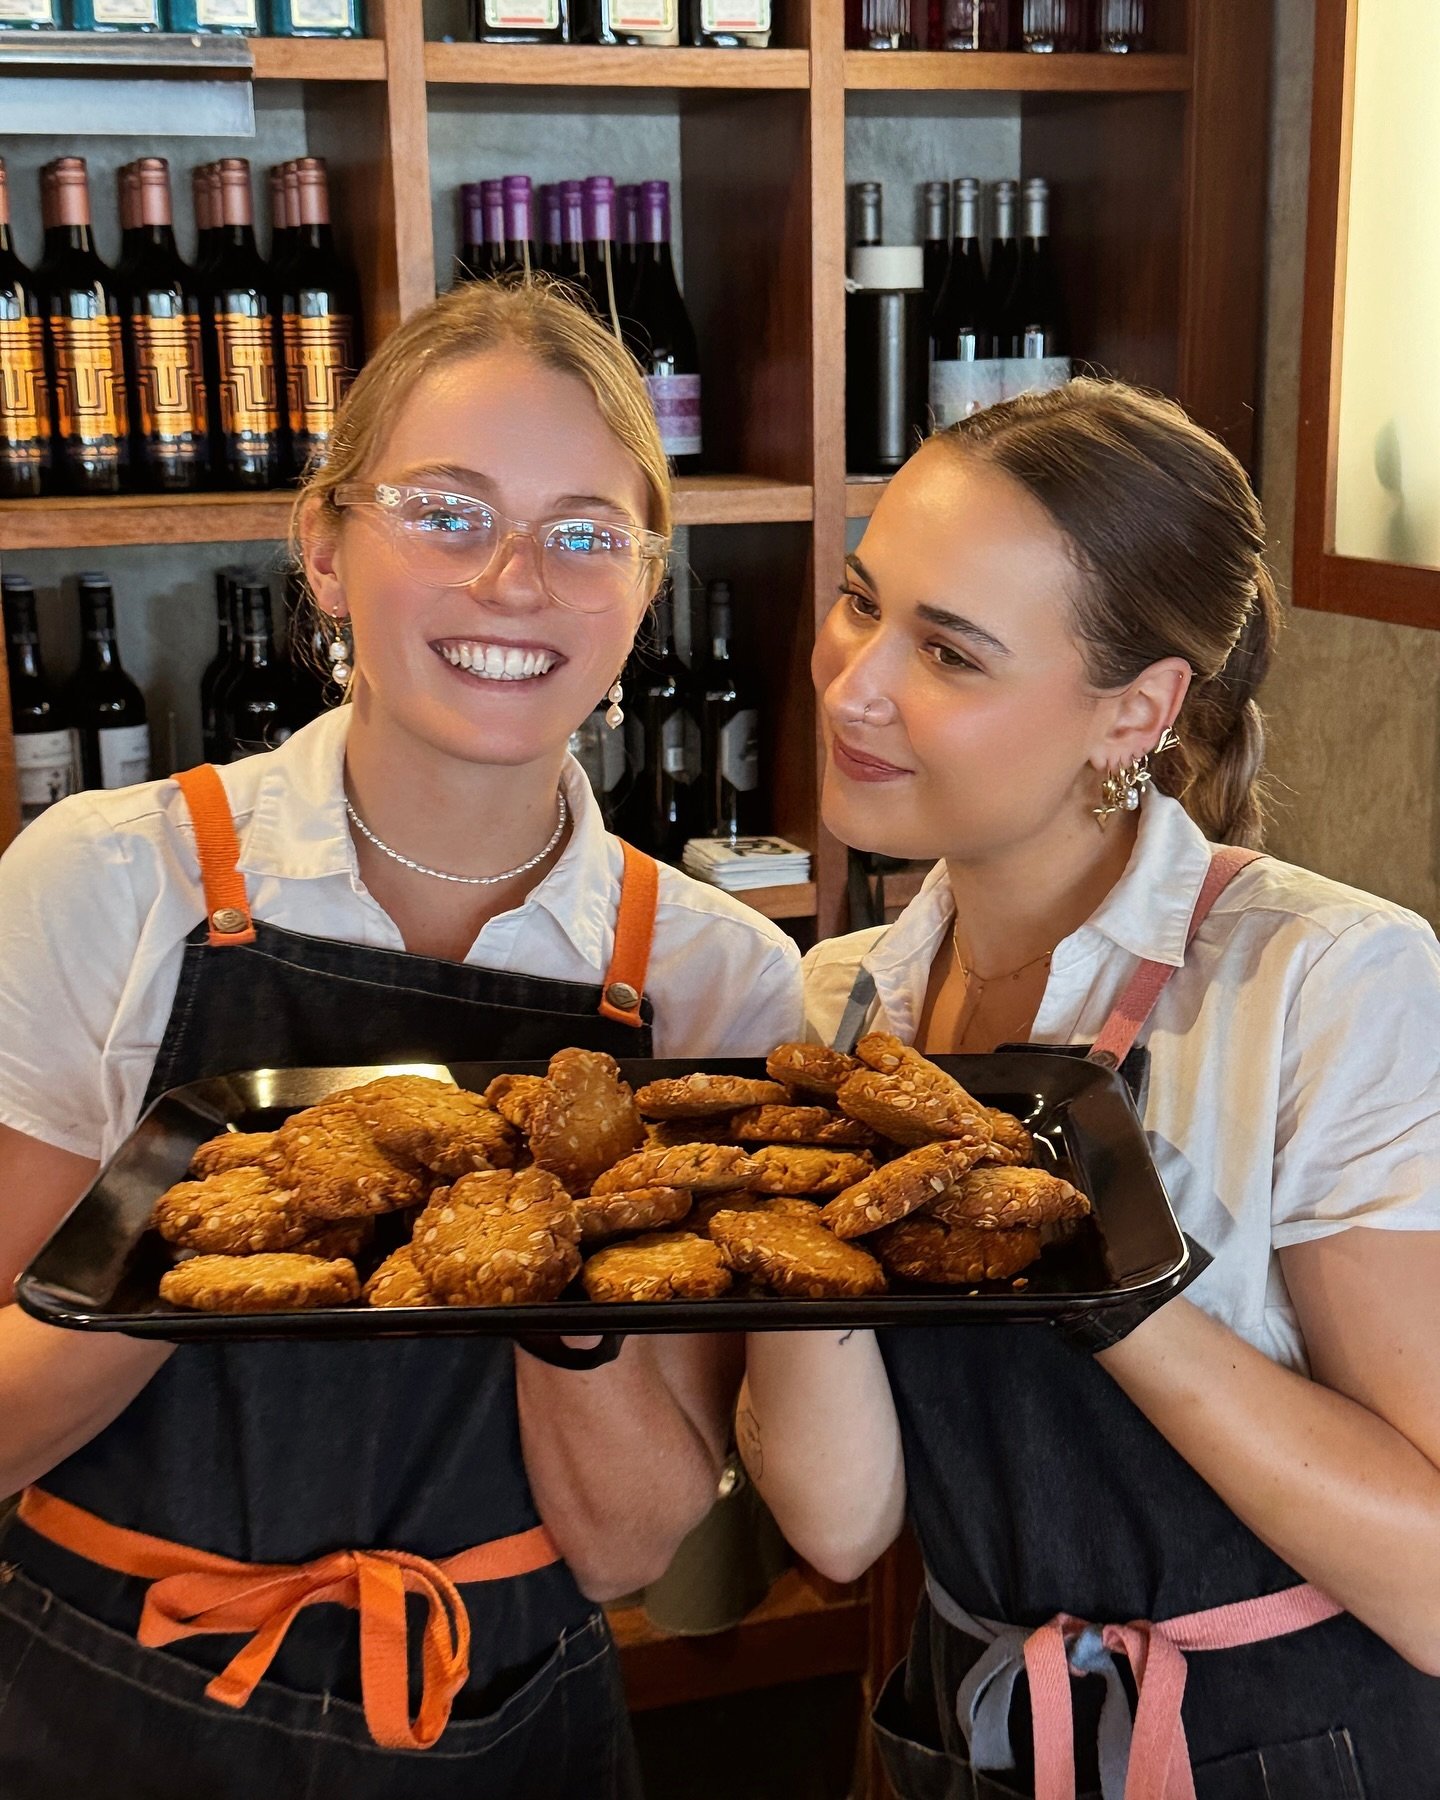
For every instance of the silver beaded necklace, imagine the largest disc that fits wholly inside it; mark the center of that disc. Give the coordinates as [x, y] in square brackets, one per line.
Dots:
[463, 880]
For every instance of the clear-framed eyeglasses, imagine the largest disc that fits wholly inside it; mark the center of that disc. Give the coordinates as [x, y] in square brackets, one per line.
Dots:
[448, 539]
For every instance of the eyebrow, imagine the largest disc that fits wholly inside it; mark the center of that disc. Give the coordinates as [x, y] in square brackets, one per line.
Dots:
[937, 615]
[466, 479]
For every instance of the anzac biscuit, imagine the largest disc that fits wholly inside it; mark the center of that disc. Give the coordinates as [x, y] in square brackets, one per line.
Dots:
[1010, 1143]
[798, 1169]
[639, 1209]
[916, 1103]
[704, 1096]
[925, 1249]
[799, 1125]
[669, 1265]
[900, 1187]
[785, 1205]
[702, 1168]
[996, 1199]
[235, 1213]
[811, 1068]
[346, 1237]
[231, 1150]
[328, 1155]
[584, 1119]
[397, 1282]
[514, 1097]
[447, 1129]
[259, 1284]
[667, 1133]
[498, 1239]
[796, 1257]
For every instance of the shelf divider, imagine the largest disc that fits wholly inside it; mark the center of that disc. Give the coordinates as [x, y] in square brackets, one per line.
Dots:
[1015, 72]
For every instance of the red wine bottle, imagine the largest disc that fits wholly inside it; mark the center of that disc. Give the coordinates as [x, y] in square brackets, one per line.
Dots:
[92, 420]
[472, 233]
[44, 743]
[729, 730]
[204, 193]
[25, 443]
[660, 335]
[662, 743]
[104, 704]
[1031, 324]
[320, 310]
[222, 664]
[551, 245]
[602, 282]
[160, 309]
[497, 255]
[572, 235]
[960, 326]
[240, 344]
[936, 241]
[1004, 258]
[628, 201]
[259, 700]
[521, 255]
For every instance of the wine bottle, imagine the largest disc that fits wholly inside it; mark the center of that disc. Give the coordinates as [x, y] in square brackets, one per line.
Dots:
[104, 704]
[662, 744]
[44, 743]
[116, 15]
[552, 250]
[600, 750]
[521, 256]
[470, 262]
[25, 444]
[203, 195]
[522, 21]
[258, 700]
[316, 18]
[601, 279]
[652, 22]
[975, 25]
[867, 201]
[628, 203]
[965, 375]
[1052, 27]
[572, 235]
[936, 241]
[661, 337]
[235, 18]
[92, 420]
[320, 307]
[307, 653]
[728, 24]
[1030, 326]
[160, 313]
[127, 199]
[1004, 257]
[284, 217]
[1122, 26]
[240, 344]
[729, 730]
[29, 15]
[225, 662]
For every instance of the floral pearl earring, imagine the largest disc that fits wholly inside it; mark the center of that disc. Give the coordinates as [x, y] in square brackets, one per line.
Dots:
[615, 714]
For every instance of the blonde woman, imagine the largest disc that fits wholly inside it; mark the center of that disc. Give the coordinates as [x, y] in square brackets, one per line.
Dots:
[1250, 1476]
[420, 875]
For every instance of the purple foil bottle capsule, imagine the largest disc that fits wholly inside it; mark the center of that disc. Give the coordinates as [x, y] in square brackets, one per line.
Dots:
[521, 257]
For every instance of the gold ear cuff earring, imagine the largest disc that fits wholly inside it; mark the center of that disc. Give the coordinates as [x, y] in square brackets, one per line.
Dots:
[1122, 788]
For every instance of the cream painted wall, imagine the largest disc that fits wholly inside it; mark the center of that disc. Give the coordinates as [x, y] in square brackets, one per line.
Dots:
[1354, 706]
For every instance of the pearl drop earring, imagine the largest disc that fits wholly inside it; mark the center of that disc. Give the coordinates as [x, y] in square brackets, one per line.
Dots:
[615, 715]
[339, 654]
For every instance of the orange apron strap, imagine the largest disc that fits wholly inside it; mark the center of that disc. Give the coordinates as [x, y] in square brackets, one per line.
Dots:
[226, 904]
[634, 934]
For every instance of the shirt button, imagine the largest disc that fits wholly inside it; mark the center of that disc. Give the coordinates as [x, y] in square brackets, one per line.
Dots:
[228, 920]
[622, 996]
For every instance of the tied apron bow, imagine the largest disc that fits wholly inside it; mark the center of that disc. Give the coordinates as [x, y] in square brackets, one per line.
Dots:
[193, 1593]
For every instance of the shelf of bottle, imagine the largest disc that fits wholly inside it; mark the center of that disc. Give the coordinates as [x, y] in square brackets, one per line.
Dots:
[1015, 72]
[61, 524]
[801, 1629]
[318, 59]
[862, 494]
[593, 65]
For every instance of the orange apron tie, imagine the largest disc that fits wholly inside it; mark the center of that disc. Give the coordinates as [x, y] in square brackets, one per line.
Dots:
[194, 1593]
[634, 934]
[226, 904]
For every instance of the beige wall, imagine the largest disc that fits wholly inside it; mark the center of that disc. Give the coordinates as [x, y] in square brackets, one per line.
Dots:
[1354, 706]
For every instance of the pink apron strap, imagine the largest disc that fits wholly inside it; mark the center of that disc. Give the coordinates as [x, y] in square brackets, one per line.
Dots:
[1146, 985]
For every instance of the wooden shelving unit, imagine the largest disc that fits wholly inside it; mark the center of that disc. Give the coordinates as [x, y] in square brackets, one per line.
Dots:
[596, 66]
[930, 71]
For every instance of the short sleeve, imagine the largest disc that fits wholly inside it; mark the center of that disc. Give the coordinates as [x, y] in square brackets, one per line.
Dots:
[68, 930]
[1358, 1126]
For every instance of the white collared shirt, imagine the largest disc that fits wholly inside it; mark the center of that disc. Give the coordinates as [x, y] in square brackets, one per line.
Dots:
[99, 894]
[1295, 1055]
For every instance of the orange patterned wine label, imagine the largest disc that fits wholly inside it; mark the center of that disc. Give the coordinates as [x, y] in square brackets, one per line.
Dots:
[169, 387]
[247, 376]
[319, 367]
[24, 393]
[90, 381]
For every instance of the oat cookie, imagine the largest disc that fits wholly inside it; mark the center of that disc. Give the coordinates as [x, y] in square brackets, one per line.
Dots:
[445, 1128]
[996, 1199]
[799, 1125]
[498, 1239]
[236, 1213]
[640, 1209]
[798, 1169]
[667, 1133]
[916, 1103]
[514, 1097]
[258, 1284]
[811, 1068]
[783, 1205]
[900, 1187]
[344, 1238]
[703, 1096]
[668, 1265]
[328, 1155]
[925, 1249]
[795, 1257]
[584, 1120]
[703, 1168]
[397, 1282]
[231, 1150]
[1010, 1143]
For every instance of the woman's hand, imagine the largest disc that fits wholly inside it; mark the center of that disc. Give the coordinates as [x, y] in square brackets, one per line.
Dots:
[1339, 1474]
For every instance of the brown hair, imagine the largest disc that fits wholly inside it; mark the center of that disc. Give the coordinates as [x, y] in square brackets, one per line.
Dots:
[537, 316]
[1169, 539]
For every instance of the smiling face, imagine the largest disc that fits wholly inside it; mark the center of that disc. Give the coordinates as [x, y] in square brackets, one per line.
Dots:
[957, 713]
[495, 672]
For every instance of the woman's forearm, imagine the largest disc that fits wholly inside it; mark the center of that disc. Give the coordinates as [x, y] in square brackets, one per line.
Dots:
[817, 1429]
[59, 1389]
[1343, 1497]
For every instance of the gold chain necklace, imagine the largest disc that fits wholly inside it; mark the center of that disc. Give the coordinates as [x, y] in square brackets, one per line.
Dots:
[981, 982]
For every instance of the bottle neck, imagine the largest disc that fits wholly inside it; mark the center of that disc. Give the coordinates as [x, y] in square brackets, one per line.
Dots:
[257, 635]
[63, 239]
[22, 642]
[99, 649]
[721, 628]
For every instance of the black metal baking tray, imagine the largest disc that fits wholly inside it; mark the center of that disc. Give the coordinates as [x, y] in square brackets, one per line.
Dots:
[101, 1269]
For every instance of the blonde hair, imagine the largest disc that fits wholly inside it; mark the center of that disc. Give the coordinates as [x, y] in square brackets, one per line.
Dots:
[539, 317]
